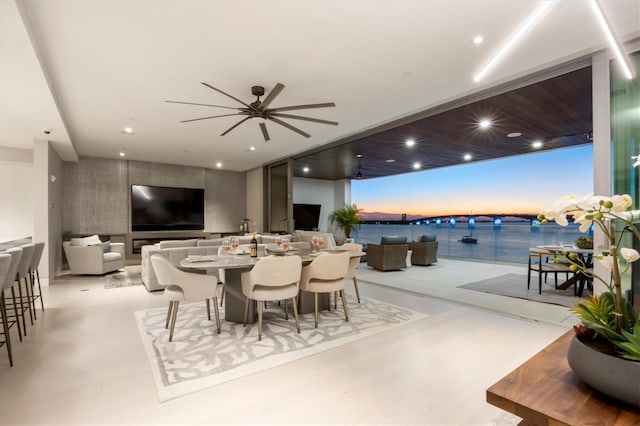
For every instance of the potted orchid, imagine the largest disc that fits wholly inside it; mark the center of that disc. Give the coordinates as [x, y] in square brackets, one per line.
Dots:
[610, 325]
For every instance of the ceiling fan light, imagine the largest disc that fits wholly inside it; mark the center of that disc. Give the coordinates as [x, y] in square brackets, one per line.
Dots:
[258, 119]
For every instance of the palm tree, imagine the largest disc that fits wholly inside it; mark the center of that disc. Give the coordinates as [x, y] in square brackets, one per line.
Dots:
[347, 218]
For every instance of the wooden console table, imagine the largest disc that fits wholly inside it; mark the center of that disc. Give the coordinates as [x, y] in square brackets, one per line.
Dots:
[544, 391]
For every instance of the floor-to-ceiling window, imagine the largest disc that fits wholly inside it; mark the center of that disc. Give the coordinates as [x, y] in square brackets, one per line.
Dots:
[625, 145]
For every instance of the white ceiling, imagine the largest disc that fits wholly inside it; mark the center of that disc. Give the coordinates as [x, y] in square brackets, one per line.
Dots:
[111, 64]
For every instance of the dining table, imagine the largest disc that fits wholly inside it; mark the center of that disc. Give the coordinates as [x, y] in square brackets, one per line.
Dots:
[579, 279]
[234, 263]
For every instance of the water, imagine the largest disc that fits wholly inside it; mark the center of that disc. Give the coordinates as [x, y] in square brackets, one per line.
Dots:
[510, 243]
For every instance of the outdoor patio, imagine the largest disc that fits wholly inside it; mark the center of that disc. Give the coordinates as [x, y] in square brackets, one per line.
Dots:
[444, 278]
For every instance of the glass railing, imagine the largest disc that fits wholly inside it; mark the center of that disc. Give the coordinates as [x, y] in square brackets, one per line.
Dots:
[509, 242]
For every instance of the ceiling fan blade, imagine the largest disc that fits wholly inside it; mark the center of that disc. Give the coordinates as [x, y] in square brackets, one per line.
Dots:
[265, 133]
[213, 116]
[271, 96]
[228, 95]
[209, 105]
[235, 125]
[309, 106]
[289, 126]
[298, 117]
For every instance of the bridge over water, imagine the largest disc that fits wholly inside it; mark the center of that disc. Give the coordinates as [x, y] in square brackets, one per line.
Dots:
[462, 218]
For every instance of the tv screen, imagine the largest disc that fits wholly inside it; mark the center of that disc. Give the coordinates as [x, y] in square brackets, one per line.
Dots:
[306, 216]
[159, 208]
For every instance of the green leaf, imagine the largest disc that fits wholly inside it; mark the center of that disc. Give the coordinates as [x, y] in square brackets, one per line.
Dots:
[630, 346]
[598, 313]
[347, 218]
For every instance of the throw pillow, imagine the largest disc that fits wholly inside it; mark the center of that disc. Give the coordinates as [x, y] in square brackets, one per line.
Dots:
[86, 241]
[426, 238]
[395, 239]
[106, 246]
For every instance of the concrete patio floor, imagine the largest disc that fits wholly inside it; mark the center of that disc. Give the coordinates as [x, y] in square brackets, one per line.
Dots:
[443, 278]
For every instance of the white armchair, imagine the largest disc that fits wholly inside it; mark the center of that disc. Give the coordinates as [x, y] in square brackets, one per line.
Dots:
[86, 257]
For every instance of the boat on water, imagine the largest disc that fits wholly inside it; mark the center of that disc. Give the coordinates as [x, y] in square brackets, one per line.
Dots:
[469, 239]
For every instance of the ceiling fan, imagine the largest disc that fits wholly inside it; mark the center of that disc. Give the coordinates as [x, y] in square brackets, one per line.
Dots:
[259, 110]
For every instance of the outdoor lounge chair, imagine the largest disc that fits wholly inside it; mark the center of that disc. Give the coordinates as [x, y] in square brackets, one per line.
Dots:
[389, 255]
[424, 251]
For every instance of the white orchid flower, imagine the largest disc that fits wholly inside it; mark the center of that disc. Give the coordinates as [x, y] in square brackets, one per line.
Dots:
[621, 202]
[557, 210]
[585, 223]
[630, 255]
[606, 261]
[561, 219]
[588, 202]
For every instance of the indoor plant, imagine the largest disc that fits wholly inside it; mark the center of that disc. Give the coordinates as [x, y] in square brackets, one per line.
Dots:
[347, 219]
[609, 323]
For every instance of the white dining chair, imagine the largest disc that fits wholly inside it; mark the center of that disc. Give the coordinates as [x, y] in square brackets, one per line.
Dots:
[183, 286]
[354, 261]
[326, 274]
[272, 278]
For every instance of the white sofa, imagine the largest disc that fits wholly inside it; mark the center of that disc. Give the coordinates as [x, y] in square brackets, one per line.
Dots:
[329, 240]
[177, 250]
[87, 256]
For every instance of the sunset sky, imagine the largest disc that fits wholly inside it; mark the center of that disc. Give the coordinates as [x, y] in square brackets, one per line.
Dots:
[521, 184]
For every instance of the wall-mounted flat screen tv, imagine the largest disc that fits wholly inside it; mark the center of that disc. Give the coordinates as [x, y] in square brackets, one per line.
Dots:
[160, 208]
[306, 216]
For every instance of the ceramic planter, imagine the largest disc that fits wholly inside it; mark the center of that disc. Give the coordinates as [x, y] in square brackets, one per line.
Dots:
[613, 376]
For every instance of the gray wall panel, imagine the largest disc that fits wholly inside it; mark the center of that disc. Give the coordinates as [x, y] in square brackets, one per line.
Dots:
[95, 196]
[96, 193]
[143, 173]
[225, 200]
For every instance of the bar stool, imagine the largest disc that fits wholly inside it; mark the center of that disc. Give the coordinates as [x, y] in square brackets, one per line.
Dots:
[23, 274]
[16, 255]
[34, 274]
[5, 262]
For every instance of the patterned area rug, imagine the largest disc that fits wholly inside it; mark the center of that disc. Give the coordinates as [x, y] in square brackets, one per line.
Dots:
[129, 277]
[515, 285]
[198, 358]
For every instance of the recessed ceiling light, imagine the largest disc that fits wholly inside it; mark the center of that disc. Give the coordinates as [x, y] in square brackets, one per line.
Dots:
[252, 148]
[359, 155]
[467, 157]
[390, 160]
[122, 154]
[218, 164]
[536, 144]
[410, 142]
[417, 165]
[128, 130]
[305, 169]
[514, 135]
[485, 123]
[478, 39]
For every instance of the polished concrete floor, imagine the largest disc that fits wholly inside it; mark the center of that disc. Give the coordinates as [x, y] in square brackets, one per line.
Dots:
[83, 363]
